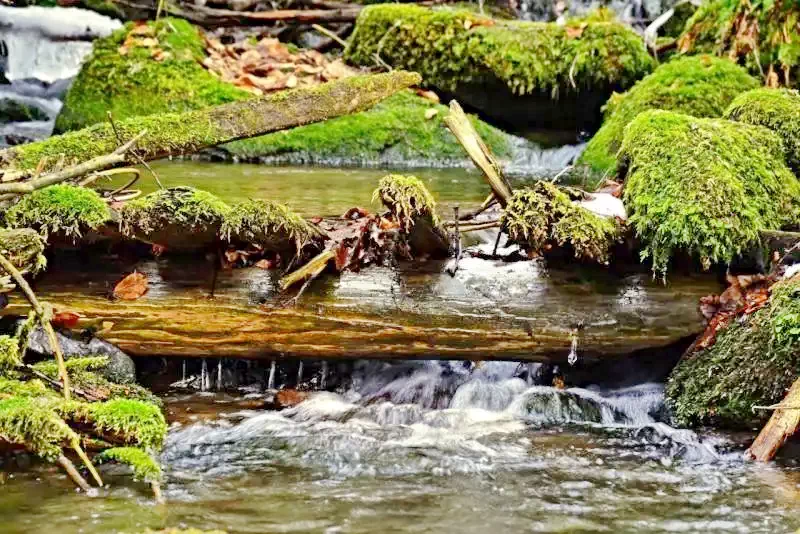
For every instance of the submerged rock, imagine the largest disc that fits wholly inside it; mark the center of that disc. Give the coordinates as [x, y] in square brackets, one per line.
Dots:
[700, 86]
[520, 73]
[704, 187]
[755, 358]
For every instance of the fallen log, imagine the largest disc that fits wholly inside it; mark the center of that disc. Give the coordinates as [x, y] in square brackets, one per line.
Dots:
[412, 312]
[174, 134]
[783, 424]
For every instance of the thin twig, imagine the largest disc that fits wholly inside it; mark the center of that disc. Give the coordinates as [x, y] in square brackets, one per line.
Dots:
[73, 473]
[326, 32]
[136, 155]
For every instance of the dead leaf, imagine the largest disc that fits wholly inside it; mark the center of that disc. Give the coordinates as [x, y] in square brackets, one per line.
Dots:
[148, 42]
[131, 287]
[65, 319]
[428, 95]
[158, 250]
[265, 264]
[431, 113]
[574, 32]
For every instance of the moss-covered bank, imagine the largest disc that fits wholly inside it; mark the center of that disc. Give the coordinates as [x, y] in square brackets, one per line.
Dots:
[763, 35]
[705, 187]
[701, 86]
[469, 55]
[778, 110]
[752, 363]
[135, 83]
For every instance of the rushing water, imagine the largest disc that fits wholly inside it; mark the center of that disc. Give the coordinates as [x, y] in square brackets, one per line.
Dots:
[434, 447]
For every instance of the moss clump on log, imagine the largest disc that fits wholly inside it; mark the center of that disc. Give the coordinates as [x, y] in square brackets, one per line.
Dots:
[762, 35]
[397, 128]
[143, 465]
[24, 248]
[778, 110]
[170, 134]
[543, 215]
[268, 224]
[62, 209]
[133, 83]
[753, 362]
[180, 217]
[706, 187]
[33, 423]
[701, 86]
[129, 421]
[408, 199]
[451, 47]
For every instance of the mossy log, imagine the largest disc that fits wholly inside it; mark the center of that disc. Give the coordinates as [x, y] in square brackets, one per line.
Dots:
[414, 312]
[173, 134]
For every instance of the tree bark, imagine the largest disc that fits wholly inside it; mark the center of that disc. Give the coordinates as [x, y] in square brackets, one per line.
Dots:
[780, 427]
[174, 134]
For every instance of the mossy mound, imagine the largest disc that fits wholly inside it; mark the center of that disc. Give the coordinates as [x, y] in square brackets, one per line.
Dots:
[543, 216]
[753, 362]
[268, 224]
[135, 84]
[701, 86]
[63, 209]
[449, 47]
[24, 248]
[122, 76]
[705, 187]
[763, 35]
[778, 110]
[14, 111]
[179, 218]
[407, 198]
[396, 131]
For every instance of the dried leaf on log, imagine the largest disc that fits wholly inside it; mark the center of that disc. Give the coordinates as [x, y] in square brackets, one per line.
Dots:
[131, 287]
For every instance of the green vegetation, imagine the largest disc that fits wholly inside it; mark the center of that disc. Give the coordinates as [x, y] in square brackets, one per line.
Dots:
[63, 209]
[701, 86]
[174, 214]
[134, 83]
[753, 362]
[407, 198]
[763, 35]
[33, 423]
[132, 421]
[397, 125]
[705, 187]
[269, 224]
[144, 466]
[543, 215]
[451, 47]
[778, 110]
[14, 111]
[24, 248]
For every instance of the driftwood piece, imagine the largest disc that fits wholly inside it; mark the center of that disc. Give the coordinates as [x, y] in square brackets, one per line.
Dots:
[173, 134]
[783, 424]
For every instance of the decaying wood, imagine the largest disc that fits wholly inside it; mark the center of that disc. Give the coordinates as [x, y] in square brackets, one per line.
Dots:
[73, 473]
[225, 123]
[458, 123]
[783, 424]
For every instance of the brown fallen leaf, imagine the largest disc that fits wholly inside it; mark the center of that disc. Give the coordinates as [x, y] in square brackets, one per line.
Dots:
[65, 319]
[131, 287]
[265, 264]
[573, 32]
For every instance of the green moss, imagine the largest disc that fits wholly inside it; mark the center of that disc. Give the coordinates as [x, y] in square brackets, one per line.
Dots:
[14, 111]
[753, 362]
[705, 187]
[24, 248]
[181, 210]
[12, 387]
[269, 224]
[63, 209]
[31, 422]
[763, 35]
[701, 86]
[73, 365]
[407, 198]
[778, 110]
[135, 84]
[451, 47]
[144, 466]
[133, 421]
[9, 353]
[543, 215]
[397, 126]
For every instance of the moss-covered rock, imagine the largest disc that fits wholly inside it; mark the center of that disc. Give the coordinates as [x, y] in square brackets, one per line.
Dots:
[753, 362]
[705, 187]
[24, 248]
[14, 111]
[778, 110]
[701, 86]
[763, 35]
[270, 225]
[135, 84]
[179, 218]
[543, 216]
[407, 198]
[62, 209]
[468, 55]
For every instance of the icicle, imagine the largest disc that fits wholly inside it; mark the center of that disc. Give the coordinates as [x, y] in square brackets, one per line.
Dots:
[300, 373]
[183, 371]
[219, 374]
[204, 375]
[271, 379]
[323, 381]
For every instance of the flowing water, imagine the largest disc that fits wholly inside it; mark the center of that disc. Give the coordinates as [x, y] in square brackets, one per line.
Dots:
[433, 447]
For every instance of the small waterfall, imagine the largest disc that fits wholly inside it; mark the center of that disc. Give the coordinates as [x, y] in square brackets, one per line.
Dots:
[43, 49]
[631, 11]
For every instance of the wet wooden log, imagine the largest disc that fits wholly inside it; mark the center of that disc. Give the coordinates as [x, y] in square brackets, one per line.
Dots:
[173, 134]
[783, 424]
[489, 310]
